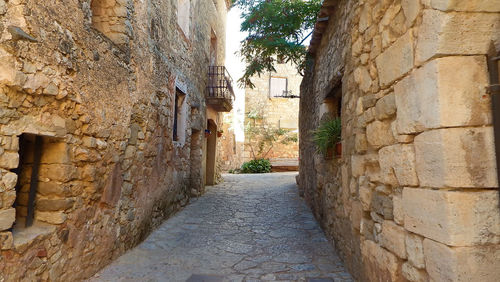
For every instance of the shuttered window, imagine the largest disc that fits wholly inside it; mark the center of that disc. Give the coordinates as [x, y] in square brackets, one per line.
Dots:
[278, 86]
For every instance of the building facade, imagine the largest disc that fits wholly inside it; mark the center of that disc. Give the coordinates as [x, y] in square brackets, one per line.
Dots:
[273, 103]
[108, 114]
[414, 195]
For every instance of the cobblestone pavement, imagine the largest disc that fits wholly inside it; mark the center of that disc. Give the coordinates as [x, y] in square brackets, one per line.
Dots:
[249, 228]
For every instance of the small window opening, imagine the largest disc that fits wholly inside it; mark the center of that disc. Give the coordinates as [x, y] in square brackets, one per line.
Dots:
[332, 104]
[109, 17]
[278, 87]
[39, 185]
[179, 116]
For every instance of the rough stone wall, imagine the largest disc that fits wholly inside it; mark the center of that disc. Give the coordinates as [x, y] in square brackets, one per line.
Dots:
[274, 112]
[414, 195]
[98, 83]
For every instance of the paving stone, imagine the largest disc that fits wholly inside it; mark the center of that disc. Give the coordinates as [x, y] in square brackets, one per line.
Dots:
[249, 228]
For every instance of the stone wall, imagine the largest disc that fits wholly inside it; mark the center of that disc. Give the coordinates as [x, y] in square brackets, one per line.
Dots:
[274, 112]
[414, 195]
[96, 80]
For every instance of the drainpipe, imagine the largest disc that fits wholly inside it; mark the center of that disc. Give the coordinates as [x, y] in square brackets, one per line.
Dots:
[494, 90]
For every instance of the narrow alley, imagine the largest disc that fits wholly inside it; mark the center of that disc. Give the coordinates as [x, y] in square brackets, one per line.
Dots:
[250, 227]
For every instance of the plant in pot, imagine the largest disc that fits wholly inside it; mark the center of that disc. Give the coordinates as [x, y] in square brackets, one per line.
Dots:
[219, 133]
[327, 138]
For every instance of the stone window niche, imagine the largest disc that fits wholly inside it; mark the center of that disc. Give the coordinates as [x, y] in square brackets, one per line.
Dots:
[40, 199]
[278, 86]
[110, 18]
[179, 127]
[332, 104]
[183, 15]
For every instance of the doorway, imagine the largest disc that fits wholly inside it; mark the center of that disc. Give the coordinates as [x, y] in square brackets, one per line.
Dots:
[211, 152]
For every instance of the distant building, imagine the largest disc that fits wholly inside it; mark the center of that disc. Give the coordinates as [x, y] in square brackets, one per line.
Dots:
[273, 103]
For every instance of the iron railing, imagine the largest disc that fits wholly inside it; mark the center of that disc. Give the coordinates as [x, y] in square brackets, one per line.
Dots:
[220, 83]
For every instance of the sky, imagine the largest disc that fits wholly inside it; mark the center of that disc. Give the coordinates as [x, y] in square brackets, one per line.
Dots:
[236, 67]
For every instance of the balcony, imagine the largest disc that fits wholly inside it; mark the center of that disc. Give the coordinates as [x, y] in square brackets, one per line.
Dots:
[220, 92]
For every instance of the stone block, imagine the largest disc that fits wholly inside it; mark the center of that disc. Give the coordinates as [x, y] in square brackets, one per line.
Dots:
[398, 209]
[360, 143]
[366, 228]
[382, 205]
[55, 153]
[454, 218]
[456, 33]
[380, 264]
[379, 133]
[466, 6]
[112, 190]
[385, 107]
[9, 160]
[51, 188]
[54, 204]
[393, 238]
[478, 263]
[456, 157]
[411, 9]
[6, 241]
[445, 92]
[7, 218]
[399, 161]
[415, 250]
[365, 196]
[396, 61]
[362, 77]
[7, 68]
[52, 217]
[9, 180]
[413, 274]
[58, 172]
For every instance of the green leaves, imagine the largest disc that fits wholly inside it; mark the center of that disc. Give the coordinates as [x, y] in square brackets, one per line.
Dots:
[256, 166]
[275, 28]
[327, 135]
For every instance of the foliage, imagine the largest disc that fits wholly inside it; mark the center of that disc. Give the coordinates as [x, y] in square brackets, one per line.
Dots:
[276, 29]
[261, 138]
[327, 135]
[256, 166]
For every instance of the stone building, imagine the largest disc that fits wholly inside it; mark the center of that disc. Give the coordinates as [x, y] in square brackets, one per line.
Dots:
[108, 114]
[274, 103]
[414, 194]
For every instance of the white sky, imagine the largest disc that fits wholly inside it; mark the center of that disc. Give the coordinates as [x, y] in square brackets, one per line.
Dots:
[236, 67]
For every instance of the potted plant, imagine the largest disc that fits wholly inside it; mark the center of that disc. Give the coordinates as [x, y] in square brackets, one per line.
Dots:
[219, 133]
[327, 138]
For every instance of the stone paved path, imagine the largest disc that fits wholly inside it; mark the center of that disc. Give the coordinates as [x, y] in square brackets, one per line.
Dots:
[249, 228]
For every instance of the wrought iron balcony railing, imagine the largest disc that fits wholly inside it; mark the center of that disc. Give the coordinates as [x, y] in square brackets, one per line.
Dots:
[220, 92]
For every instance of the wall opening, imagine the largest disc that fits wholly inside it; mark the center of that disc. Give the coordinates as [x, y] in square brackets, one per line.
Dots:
[40, 197]
[278, 87]
[109, 17]
[183, 15]
[179, 127]
[332, 104]
[211, 152]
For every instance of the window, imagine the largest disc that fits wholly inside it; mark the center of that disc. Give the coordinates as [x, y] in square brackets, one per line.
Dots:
[183, 14]
[278, 87]
[179, 116]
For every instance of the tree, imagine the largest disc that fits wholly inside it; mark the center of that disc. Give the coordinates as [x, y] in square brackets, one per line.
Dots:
[261, 137]
[277, 29]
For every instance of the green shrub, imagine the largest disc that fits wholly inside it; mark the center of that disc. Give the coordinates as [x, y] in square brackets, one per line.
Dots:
[256, 166]
[327, 135]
